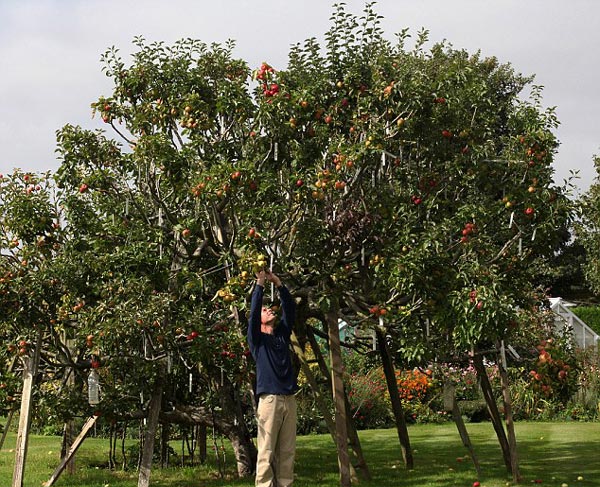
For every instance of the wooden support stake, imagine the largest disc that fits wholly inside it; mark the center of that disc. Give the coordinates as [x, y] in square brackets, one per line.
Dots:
[72, 450]
[390, 379]
[353, 439]
[508, 417]
[338, 397]
[451, 405]
[29, 373]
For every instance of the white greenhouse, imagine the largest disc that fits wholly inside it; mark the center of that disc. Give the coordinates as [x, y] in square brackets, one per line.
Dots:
[583, 335]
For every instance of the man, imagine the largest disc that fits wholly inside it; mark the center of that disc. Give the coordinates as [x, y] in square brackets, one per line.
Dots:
[269, 344]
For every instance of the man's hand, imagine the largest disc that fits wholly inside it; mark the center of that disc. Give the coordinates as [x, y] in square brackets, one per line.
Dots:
[273, 278]
[260, 278]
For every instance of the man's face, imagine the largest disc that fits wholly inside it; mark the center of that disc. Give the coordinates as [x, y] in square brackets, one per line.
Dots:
[267, 316]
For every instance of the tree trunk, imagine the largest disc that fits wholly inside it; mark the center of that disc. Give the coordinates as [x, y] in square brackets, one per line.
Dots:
[341, 432]
[154, 409]
[123, 451]
[508, 417]
[164, 445]
[236, 429]
[201, 442]
[111, 447]
[488, 395]
[7, 427]
[238, 434]
[392, 385]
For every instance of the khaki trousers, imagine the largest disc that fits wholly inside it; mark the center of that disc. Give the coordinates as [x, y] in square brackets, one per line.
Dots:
[276, 438]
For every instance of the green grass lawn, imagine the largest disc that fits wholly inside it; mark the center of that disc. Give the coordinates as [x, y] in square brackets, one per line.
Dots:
[555, 453]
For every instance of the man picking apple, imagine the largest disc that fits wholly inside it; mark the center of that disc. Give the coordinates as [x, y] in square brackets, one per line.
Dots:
[276, 385]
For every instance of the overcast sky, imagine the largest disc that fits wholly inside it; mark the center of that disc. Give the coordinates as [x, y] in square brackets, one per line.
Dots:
[50, 52]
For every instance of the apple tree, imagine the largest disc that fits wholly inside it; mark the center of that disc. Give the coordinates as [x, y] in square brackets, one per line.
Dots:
[425, 186]
[587, 231]
[406, 191]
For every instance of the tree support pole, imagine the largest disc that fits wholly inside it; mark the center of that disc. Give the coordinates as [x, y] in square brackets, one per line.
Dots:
[72, 450]
[29, 373]
[490, 400]
[451, 405]
[341, 432]
[312, 382]
[69, 428]
[508, 417]
[353, 438]
[390, 377]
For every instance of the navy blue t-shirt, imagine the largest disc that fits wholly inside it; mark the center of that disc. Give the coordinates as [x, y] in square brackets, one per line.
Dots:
[274, 371]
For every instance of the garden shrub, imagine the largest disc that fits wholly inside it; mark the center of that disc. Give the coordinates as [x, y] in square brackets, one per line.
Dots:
[590, 315]
[465, 381]
[369, 401]
[309, 417]
[585, 404]
[555, 382]
[554, 375]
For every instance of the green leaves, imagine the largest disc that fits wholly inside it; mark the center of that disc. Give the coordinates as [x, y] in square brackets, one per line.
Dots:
[367, 173]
